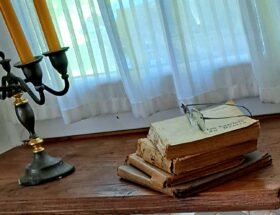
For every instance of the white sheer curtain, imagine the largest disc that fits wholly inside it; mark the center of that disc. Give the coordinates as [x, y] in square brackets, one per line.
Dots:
[139, 43]
[193, 51]
[180, 51]
[261, 21]
[149, 55]
[96, 86]
[208, 50]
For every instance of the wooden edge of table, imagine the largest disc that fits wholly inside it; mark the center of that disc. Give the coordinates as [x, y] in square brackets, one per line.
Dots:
[266, 200]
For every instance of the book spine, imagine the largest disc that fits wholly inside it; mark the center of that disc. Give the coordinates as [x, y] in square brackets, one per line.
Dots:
[189, 163]
[148, 152]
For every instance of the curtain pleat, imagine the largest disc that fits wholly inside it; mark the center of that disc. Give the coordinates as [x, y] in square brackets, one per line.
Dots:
[261, 24]
[72, 33]
[96, 87]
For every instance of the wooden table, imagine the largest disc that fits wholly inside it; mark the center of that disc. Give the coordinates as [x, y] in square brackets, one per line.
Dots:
[95, 187]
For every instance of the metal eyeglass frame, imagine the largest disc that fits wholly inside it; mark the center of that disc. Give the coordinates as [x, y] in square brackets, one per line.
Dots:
[194, 115]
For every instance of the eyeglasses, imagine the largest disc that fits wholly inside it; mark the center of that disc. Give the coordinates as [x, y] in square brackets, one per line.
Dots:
[194, 116]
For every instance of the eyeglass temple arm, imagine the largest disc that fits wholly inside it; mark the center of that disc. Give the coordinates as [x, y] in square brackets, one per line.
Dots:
[241, 106]
[184, 107]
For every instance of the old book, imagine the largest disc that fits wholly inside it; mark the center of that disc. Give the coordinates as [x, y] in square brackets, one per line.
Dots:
[177, 138]
[147, 150]
[164, 179]
[253, 161]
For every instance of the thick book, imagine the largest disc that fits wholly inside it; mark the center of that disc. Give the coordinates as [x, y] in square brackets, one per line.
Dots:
[253, 161]
[176, 137]
[164, 179]
[147, 150]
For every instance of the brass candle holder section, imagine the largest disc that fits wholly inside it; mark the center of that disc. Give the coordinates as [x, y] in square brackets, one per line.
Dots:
[36, 144]
[43, 167]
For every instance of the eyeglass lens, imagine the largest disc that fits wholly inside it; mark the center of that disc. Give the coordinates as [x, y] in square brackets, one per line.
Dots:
[197, 117]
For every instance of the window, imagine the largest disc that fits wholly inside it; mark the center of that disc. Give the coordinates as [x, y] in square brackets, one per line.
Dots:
[80, 25]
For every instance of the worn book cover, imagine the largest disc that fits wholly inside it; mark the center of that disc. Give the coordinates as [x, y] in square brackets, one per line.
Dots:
[253, 161]
[164, 179]
[176, 137]
[148, 151]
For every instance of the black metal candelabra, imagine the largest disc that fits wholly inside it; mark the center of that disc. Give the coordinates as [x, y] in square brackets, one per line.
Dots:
[43, 167]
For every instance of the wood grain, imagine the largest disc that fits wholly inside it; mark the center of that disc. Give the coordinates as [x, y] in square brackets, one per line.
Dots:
[96, 188]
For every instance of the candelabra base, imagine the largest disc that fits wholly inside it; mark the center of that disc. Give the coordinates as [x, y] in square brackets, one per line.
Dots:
[44, 168]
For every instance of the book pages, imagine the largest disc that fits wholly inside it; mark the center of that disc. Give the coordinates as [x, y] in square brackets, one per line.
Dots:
[178, 130]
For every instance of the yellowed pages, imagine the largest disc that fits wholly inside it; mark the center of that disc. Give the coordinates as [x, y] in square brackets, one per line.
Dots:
[253, 161]
[149, 153]
[161, 178]
[178, 130]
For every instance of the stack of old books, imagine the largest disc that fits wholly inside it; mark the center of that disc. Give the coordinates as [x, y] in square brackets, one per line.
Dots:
[179, 159]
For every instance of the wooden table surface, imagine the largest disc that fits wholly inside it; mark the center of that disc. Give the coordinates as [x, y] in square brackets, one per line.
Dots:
[96, 188]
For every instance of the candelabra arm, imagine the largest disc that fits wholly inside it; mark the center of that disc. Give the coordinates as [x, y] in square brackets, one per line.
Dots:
[39, 100]
[62, 92]
[59, 61]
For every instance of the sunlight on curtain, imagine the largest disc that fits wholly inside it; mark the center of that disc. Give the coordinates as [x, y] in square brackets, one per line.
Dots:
[145, 56]
[261, 20]
[193, 51]
[96, 86]
[208, 49]
[148, 55]
[139, 31]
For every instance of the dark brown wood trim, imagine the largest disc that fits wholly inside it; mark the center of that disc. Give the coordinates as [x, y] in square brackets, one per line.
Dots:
[267, 116]
[96, 135]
